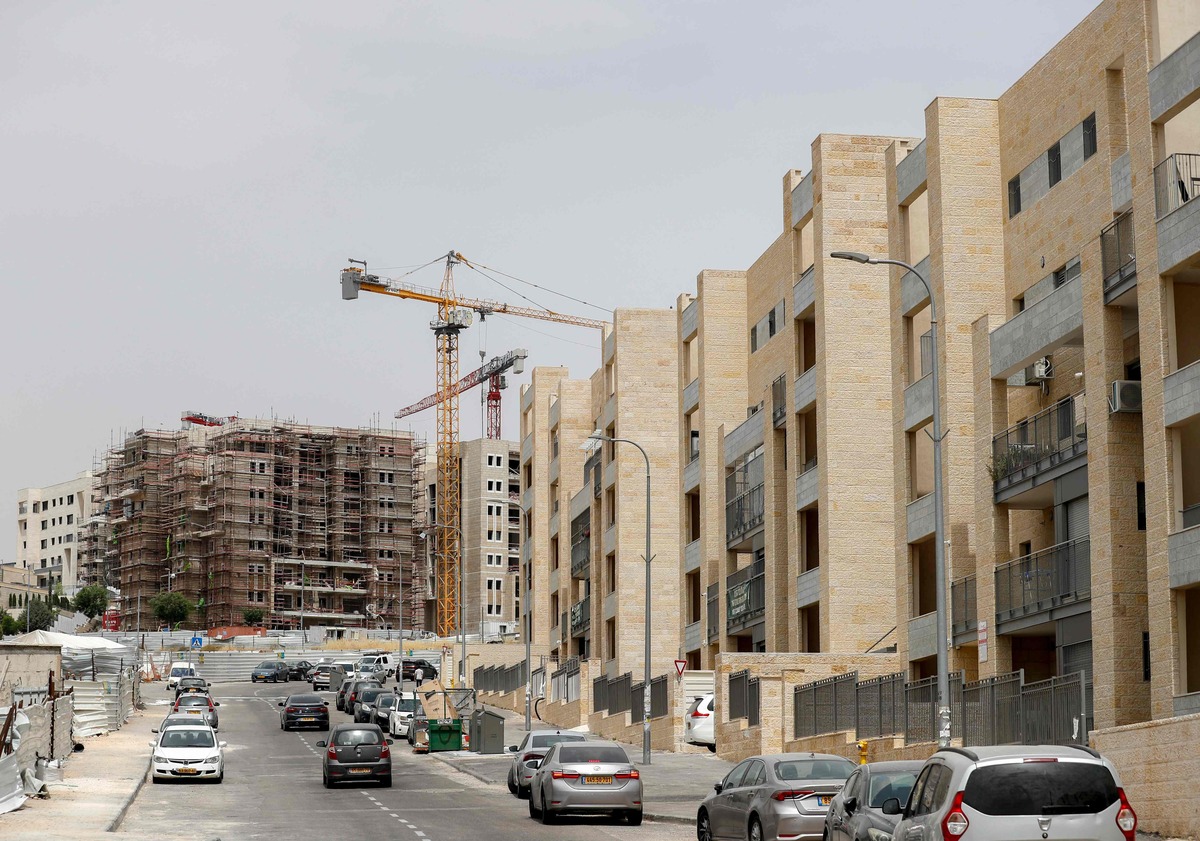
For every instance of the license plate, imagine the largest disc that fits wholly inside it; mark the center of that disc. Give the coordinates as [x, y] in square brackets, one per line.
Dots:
[193, 712]
[360, 770]
[308, 718]
[824, 799]
[597, 781]
[186, 771]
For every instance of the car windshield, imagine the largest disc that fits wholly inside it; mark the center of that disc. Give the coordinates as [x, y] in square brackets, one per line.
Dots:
[385, 701]
[181, 737]
[349, 738]
[193, 701]
[405, 705]
[180, 670]
[369, 695]
[1041, 788]
[592, 753]
[267, 664]
[888, 784]
[814, 769]
[554, 738]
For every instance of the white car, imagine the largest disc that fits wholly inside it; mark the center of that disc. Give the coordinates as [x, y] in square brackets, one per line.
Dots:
[402, 714]
[183, 753]
[698, 723]
[180, 668]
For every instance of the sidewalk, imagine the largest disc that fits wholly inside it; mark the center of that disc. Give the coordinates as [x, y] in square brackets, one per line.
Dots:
[674, 783]
[98, 785]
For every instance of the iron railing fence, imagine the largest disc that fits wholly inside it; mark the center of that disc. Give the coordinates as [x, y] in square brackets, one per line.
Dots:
[744, 513]
[991, 710]
[778, 399]
[659, 698]
[615, 693]
[753, 702]
[1050, 434]
[879, 706]
[581, 615]
[1176, 182]
[600, 693]
[1059, 575]
[825, 706]
[1054, 711]
[637, 700]
[1117, 259]
[560, 681]
[714, 612]
[739, 694]
[581, 544]
[926, 353]
[921, 709]
[1190, 516]
[963, 605]
[745, 594]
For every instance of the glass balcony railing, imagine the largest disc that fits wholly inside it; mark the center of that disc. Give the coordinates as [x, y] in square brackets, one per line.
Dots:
[1117, 259]
[713, 612]
[744, 513]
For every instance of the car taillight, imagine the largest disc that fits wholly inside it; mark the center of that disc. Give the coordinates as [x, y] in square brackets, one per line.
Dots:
[790, 794]
[955, 823]
[530, 756]
[698, 714]
[291, 710]
[1126, 818]
[628, 775]
[565, 775]
[385, 752]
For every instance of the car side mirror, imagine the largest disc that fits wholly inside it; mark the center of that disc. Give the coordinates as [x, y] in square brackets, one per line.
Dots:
[325, 703]
[718, 787]
[512, 748]
[891, 806]
[321, 744]
[850, 804]
[153, 729]
[281, 703]
[216, 703]
[223, 744]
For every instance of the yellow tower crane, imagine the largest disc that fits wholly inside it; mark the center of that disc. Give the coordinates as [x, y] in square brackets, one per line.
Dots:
[454, 315]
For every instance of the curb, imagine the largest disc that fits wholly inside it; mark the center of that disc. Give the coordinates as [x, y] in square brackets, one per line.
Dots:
[115, 823]
[679, 819]
[463, 770]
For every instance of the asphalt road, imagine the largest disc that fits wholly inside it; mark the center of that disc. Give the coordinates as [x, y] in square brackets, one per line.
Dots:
[273, 790]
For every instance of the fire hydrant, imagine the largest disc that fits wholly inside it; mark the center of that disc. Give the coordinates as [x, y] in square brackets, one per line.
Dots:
[862, 751]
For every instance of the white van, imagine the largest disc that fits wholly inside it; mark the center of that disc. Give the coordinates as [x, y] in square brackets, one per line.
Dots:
[377, 663]
[180, 668]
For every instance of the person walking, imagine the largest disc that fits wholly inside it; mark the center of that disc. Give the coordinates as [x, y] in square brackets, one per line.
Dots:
[418, 674]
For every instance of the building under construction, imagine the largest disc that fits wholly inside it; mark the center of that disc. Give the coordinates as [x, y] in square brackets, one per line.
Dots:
[313, 525]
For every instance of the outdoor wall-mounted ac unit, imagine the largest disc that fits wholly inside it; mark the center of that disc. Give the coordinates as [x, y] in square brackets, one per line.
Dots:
[1041, 369]
[1126, 396]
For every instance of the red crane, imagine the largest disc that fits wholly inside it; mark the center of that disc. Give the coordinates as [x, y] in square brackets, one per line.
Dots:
[493, 372]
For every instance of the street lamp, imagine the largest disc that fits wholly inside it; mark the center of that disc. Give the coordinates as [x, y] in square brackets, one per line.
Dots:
[939, 548]
[598, 437]
[462, 631]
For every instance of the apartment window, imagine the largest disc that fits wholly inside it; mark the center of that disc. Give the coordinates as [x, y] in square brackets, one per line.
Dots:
[1014, 196]
[1054, 164]
[387, 478]
[256, 569]
[753, 339]
[1067, 273]
[258, 545]
[610, 639]
[45, 524]
[386, 554]
[1141, 506]
[43, 544]
[387, 502]
[386, 526]
[1089, 136]
[35, 508]
[256, 596]
[610, 573]
[70, 499]
[771, 324]
[495, 596]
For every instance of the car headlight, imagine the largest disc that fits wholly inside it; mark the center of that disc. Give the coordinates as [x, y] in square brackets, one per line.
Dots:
[213, 760]
[158, 757]
[878, 834]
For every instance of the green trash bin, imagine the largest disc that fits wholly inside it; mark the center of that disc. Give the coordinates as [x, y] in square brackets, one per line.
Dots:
[445, 734]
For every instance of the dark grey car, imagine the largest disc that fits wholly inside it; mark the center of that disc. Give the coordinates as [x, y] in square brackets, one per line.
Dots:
[364, 704]
[856, 813]
[356, 752]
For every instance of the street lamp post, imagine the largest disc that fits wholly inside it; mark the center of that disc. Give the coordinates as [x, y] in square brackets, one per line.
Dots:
[599, 436]
[939, 548]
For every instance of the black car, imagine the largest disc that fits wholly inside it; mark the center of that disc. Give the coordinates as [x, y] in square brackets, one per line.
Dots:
[364, 704]
[272, 671]
[191, 684]
[298, 670]
[381, 710]
[345, 696]
[304, 711]
[408, 669]
[356, 752]
[856, 812]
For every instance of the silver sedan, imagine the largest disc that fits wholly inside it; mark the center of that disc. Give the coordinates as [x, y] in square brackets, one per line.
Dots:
[586, 778]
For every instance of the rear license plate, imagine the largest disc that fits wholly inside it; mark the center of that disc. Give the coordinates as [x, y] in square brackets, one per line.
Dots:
[360, 770]
[193, 712]
[824, 800]
[308, 718]
[597, 781]
[186, 771]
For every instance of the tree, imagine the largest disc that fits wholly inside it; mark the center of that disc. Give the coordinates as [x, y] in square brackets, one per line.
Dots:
[253, 615]
[170, 608]
[9, 625]
[37, 616]
[92, 600]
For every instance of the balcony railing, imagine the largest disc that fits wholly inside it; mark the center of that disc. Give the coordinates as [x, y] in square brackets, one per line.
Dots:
[745, 595]
[1052, 433]
[744, 513]
[926, 353]
[778, 400]
[581, 557]
[1117, 258]
[1190, 516]
[714, 612]
[581, 615]
[693, 448]
[1176, 182]
[1043, 580]
[963, 616]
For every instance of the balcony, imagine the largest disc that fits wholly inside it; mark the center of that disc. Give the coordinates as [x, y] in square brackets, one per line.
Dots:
[1175, 81]
[691, 476]
[1176, 182]
[912, 291]
[581, 557]
[805, 391]
[808, 587]
[910, 173]
[691, 557]
[691, 396]
[963, 618]
[922, 637]
[779, 401]
[743, 514]
[808, 487]
[1181, 395]
[1183, 550]
[581, 616]
[745, 597]
[713, 610]
[689, 323]
[1038, 450]
[1044, 582]
[1118, 262]
[802, 199]
[692, 636]
[804, 292]
[921, 522]
[1041, 328]
[527, 448]
[918, 402]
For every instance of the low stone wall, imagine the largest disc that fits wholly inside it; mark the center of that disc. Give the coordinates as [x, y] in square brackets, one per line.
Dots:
[1159, 765]
[882, 749]
[561, 713]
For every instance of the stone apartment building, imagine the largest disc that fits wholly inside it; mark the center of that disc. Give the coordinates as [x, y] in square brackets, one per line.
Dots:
[51, 522]
[491, 527]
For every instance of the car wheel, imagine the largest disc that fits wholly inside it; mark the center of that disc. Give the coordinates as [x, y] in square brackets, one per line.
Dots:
[523, 793]
[755, 831]
[155, 780]
[703, 826]
[221, 777]
[711, 748]
[512, 787]
[325, 781]
[386, 782]
[533, 812]
[282, 726]
[634, 817]
[547, 814]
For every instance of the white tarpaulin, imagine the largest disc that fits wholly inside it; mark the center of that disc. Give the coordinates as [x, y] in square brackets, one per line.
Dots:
[12, 788]
[82, 656]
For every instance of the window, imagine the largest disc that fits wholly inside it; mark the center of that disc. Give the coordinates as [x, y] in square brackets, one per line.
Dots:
[387, 554]
[1089, 136]
[771, 323]
[1042, 788]
[387, 502]
[1014, 196]
[43, 544]
[386, 527]
[70, 499]
[1054, 164]
[70, 519]
[387, 478]
[1141, 506]
[45, 524]
[35, 508]
[753, 339]
[1067, 273]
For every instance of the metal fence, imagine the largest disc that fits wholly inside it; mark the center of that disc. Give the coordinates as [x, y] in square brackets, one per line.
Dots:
[659, 704]
[744, 513]
[963, 610]
[1176, 182]
[637, 700]
[1054, 711]
[753, 702]
[564, 682]
[739, 700]
[500, 678]
[612, 694]
[991, 710]
[921, 709]
[1117, 257]
[1050, 434]
[825, 706]
[879, 706]
[779, 399]
[714, 612]
[745, 594]
[1055, 576]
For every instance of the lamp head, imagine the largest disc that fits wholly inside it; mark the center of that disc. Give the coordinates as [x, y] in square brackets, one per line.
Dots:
[856, 256]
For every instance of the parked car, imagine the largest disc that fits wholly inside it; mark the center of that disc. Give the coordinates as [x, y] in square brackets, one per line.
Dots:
[348, 694]
[401, 714]
[319, 677]
[304, 711]
[775, 796]
[1016, 791]
[298, 670]
[191, 684]
[408, 669]
[364, 703]
[856, 812]
[272, 671]
[187, 753]
[199, 705]
[586, 777]
[382, 711]
[698, 723]
[356, 751]
[179, 669]
[533, 746]
[378, 663]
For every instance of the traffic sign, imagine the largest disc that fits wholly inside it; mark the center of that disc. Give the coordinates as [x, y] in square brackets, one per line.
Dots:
[680, 666]
[197, 643]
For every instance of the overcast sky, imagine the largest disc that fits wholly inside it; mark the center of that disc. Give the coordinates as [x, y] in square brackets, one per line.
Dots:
[183, 183]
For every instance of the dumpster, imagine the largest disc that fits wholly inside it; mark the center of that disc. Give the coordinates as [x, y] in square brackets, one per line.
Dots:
[487, 732]
[445, 734]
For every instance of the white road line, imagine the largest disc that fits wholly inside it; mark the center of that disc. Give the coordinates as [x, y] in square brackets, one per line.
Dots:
[394, 815]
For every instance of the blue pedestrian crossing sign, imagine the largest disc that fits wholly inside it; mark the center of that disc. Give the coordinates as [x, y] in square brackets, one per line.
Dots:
[197, 643]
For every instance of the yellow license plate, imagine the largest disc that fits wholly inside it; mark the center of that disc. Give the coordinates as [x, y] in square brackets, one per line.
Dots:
[360, 770]
[308, 719]
[186, 771]
[194, 712]
[824, 800]
[597, 781]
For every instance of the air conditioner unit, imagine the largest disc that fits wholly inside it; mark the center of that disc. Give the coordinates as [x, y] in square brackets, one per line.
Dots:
[1043, 369]
[1126, 396]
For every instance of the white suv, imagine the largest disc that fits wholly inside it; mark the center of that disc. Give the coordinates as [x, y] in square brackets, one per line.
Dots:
[1014, 793]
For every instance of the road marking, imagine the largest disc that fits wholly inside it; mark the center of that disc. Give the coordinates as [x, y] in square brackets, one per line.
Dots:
[394, 815]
